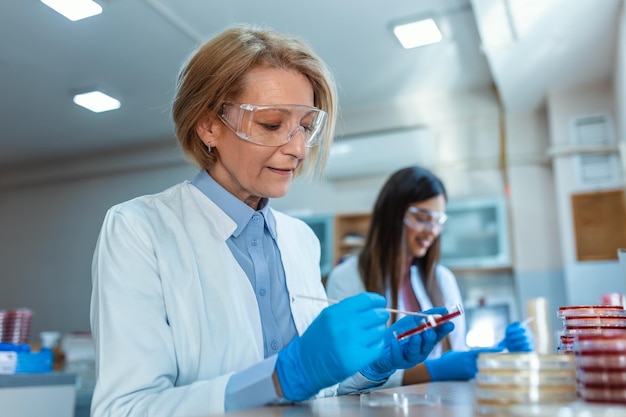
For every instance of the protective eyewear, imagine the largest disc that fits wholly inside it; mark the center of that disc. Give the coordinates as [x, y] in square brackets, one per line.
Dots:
[420, 219]
[274, 125]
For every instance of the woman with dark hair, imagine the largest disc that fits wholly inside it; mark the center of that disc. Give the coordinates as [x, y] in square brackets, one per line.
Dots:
[400, 260]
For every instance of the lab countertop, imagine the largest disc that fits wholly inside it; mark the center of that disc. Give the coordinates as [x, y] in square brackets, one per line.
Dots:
[27, 380]
[444, 399]
[435, 399]
[46, 394]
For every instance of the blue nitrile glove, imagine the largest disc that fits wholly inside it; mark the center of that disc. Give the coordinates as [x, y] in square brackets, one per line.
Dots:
[518, 338]
[409, 352]
[343, 339]
[456, 365]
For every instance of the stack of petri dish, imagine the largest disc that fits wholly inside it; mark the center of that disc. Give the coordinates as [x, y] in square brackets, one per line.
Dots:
[3, 319]
[508, 379]
[566, 343]
[601, 366]
[588, 319]
[16, 325]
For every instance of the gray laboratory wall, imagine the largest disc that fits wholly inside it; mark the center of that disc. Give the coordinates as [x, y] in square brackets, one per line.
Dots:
[50, 215]
[49, 227]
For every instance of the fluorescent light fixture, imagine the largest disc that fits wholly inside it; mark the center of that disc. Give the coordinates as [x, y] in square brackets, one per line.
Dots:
[74, 9]
[339, 148]
[419, 33]
[97, 101]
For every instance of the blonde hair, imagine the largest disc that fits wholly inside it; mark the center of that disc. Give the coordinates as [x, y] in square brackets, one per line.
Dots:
[215, 73]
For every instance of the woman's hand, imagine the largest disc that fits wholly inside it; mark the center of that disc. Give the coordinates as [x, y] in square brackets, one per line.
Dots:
[409, 352]
[456, 365]
[518, 338]
[343, 339]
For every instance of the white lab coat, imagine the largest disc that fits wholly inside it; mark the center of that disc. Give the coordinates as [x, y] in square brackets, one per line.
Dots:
[173, 314]
[344, 281]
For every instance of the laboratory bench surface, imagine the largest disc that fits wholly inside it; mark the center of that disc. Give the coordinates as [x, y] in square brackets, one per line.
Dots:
[29, 380]
[440, 399]
[46, 394]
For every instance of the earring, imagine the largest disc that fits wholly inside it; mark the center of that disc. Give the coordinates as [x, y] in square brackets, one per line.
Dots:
[208, 147]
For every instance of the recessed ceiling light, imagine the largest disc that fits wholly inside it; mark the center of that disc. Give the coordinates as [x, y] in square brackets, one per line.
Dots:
[97, 101]
[419, 33]
[74, 9]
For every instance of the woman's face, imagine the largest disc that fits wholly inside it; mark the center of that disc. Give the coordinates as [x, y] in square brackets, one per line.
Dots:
[248, 170]
[421, 226]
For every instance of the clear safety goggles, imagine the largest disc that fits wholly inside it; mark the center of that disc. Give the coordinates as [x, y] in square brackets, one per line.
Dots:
[274, 125]
[420, 219]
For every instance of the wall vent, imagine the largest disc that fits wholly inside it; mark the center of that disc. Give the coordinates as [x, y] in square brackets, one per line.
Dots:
[597, 165]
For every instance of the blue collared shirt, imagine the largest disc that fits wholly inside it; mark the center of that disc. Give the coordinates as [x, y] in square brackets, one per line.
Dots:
[253, 245]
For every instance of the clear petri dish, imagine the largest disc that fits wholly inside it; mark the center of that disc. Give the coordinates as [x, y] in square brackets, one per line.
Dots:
[525, 395]
[525, 361]
[398, 399]
[530, 378]
[577, 409]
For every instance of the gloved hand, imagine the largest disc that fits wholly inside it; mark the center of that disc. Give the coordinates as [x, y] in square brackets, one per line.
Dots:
[343, 339]
[456, 365]
[408, 352]
[518, 338]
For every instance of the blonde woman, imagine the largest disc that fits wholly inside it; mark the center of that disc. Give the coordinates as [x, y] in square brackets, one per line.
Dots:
[195, 304]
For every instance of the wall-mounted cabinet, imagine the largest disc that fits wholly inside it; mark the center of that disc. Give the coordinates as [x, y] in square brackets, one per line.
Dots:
[323, 225]
[599, 224]
[350, 232]
[476, 235]
[340, 235]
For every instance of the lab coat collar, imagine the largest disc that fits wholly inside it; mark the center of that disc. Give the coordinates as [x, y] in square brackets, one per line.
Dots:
[234, 208]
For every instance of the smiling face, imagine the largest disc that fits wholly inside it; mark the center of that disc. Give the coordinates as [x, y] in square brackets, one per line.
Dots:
[250, 171]
[419, 239]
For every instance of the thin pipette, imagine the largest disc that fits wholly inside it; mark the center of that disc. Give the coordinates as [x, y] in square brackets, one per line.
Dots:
[431, 318]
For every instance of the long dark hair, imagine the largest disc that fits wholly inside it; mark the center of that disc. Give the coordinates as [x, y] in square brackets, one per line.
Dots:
[383, 258]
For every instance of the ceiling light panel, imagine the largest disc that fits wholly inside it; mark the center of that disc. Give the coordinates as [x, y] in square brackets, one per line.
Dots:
[418, 33]
[97, 101]
[74, 9]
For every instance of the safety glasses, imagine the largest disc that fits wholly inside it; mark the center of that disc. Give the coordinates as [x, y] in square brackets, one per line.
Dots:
[274, 125]
[420, 219]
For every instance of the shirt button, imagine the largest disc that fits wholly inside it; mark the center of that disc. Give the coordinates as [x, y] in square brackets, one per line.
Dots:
[274, 345]
[254, 242]
[255, 218]
[262, 292]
